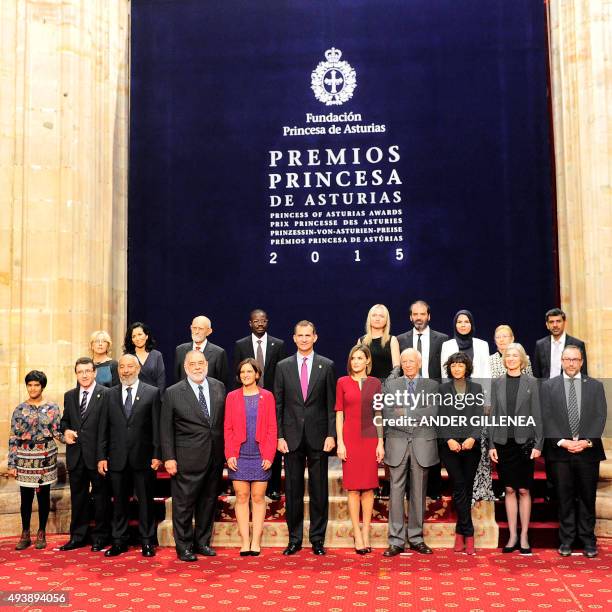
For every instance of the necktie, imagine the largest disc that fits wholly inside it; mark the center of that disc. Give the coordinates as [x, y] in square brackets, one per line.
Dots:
[84, 403]
[260, 361]
[203, 403]
[304, 378]
[127, 407]
[411, 389]
[420, 349]
[572, 409]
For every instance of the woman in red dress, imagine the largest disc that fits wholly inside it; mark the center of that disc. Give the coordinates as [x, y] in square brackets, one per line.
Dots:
[360, 443]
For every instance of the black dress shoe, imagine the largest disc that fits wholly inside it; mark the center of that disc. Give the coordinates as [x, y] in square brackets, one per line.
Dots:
[393, 550]
[245, 553]
[116, 549]
[590, 552]
[207, 551]
[421, 547]
[72, 544]
[292, 549]
[274, 495]
[525, 551]
[98, 546]
[509, 549]
[186, 555]
[255, 553]
[317, 548]
[361, 551]
[565, 550]
[148, 550]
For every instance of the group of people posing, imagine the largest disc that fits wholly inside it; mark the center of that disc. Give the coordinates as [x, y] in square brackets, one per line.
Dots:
[121, 424]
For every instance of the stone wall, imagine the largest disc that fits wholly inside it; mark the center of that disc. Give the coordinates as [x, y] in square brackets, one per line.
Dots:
[63, 187]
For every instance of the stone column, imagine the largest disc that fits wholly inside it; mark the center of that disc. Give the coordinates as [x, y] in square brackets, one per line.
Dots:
[581, 48]
[63, 187]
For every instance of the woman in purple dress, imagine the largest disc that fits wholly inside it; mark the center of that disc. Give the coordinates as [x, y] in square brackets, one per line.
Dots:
[250, 446]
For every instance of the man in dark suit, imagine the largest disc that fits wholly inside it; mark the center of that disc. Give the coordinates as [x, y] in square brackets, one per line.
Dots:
[268, 351]
[129, 452]
[424, 339]
[216, 357]
[305, 390]
[83, 406]
[192, 448]
[574, 411]
[429, 343]
[547, 352]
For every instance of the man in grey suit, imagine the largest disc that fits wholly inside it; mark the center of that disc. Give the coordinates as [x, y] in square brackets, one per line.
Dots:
[409, 446]
[216, 357]
[192, 449]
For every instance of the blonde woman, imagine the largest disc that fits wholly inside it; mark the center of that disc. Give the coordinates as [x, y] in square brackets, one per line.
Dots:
[384, 347]
[100, 345]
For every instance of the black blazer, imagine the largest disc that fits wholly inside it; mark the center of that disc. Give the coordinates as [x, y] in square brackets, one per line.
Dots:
[450, 406]
[527, 404]
[593, 413]
[541, 356]
[436, 340]
[316, 416]
[275, 352]
[135, 441]
[87, 429]
[215, 355]
[186, 436]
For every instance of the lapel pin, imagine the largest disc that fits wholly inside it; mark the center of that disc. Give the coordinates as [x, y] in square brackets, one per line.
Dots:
[98, 395]
[137, 398]
[320, 366]
[271, 343]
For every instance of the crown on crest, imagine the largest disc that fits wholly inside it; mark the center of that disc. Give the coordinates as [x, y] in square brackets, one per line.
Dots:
[333, 55]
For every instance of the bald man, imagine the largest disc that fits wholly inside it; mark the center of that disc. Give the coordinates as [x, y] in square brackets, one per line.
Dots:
[201, 328]
[410, 449]
[129, 453]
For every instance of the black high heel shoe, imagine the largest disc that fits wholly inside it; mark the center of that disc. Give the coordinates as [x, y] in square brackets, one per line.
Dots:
[509, 549]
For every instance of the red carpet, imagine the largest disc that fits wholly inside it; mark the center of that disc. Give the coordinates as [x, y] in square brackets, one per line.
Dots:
[338, 582]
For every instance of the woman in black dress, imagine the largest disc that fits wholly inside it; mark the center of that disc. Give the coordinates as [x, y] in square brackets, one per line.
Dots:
[384, 347]
[515, 447]
[459, 445]
[140, 342]
[385, 353]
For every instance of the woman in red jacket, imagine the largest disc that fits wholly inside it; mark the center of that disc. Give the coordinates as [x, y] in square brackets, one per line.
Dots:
[250, 446]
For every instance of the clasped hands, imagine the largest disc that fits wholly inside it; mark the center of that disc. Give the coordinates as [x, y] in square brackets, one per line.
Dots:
[467, 444]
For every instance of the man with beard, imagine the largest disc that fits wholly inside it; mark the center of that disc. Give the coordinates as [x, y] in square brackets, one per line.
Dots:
[192, 449]
[129, 452]
[429, 344]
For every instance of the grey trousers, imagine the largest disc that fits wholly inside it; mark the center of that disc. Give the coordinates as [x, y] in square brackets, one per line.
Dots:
[398, 534]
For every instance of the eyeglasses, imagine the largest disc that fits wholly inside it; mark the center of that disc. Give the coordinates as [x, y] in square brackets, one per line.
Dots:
[88, 371]
[572, 359]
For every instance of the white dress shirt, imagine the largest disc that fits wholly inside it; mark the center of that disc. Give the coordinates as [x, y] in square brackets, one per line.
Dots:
[90, 392]
[264, 342]
[134, 388]
[556, 348]
[205, 391]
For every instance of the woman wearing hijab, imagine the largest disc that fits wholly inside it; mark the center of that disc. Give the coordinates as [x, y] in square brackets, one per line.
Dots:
[478, 351]
[463, 341]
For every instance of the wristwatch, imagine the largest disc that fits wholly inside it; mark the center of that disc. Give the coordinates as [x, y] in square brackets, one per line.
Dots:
[589, 442]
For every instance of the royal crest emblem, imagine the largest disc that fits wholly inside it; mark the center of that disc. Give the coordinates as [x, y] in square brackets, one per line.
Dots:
[333, 81]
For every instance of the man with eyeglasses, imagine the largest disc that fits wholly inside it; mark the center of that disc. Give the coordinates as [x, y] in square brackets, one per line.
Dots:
[574, 412]
[267, 351]
[215, 356]
[83, 407]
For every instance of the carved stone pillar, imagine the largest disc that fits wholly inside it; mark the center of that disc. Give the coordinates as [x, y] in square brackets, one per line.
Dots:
[63, 187]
